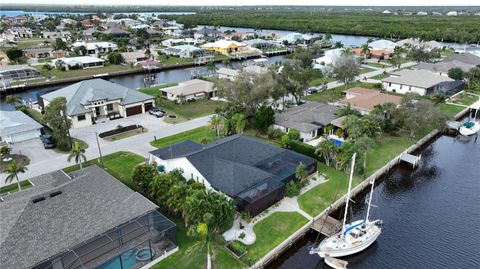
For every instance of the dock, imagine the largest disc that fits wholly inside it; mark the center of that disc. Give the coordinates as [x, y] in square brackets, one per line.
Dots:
[326, 225]
[411, 159]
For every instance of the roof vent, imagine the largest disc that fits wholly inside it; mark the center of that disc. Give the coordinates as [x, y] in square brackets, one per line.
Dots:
[55, 193]
[39, 199]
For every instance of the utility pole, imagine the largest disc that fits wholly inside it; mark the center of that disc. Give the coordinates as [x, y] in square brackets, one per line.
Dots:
[99, 150]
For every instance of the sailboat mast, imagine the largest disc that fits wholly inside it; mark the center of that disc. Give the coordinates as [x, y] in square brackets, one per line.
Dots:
[348, 192]
[370, 200]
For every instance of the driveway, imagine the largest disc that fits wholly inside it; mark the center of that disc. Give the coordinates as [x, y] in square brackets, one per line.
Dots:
[34, 150]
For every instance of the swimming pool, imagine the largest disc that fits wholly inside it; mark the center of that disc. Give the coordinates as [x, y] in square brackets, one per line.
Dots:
[128, 261]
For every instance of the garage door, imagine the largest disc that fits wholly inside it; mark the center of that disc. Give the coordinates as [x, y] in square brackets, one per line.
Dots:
[148, 106]
[18, 137]
[134, 110]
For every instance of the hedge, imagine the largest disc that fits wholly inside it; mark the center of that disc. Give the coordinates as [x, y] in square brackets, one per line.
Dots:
[305, 149]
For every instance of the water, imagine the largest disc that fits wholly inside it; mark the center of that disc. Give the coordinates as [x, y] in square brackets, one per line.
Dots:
[13, 13]
[430, 215]
[128, 261]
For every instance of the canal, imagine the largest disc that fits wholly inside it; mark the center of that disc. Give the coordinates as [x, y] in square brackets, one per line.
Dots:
[431, 214]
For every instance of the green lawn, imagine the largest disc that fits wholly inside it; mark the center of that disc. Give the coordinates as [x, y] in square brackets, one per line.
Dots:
[180, 259]
[364, 70]
[14, 187]
[336, 94]
[319, 81]
[273, 230]
[170, 60]
[154, 91]
[320, 197]
[32, 42]
[379, 65]
[451, 110]
[119, 164]
[189, 110]
[466, 99]
[381, 76]
[27, 81]
[59, 74]
[197, 135]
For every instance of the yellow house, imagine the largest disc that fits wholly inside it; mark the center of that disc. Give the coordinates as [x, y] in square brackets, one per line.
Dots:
[227, 47]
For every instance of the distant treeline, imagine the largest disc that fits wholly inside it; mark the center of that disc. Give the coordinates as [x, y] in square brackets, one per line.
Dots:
[464, 29]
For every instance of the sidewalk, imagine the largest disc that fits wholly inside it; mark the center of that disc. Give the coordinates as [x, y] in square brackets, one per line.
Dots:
[139, 144]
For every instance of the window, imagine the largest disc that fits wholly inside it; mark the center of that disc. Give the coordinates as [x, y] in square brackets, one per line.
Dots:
[401, 87]
[109, 107]
[81, 117]
[389, 84]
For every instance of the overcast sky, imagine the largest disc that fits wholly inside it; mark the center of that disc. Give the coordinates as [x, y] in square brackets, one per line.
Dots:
[256, 2]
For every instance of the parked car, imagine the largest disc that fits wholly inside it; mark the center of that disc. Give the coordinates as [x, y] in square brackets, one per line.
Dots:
[312, 90]
[48, 141]
[157, 112]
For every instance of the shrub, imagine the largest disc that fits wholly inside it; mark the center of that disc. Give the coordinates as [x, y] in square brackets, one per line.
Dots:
[304, 149]
[293, 134]
[245, 216]
[238, 247]
[242, 235]
[292, 189]
[285, 141]
[275, 134]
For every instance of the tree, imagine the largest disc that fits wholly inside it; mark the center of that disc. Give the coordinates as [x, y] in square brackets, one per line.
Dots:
[216, 123]
[264, 118]
[56, 117]
[5, 151]
[365, 50]
[456, 73]
[285, 141]
[293, 134]
[327, 36]
[293, 78]
[14, 54]
[301, 173]
[346, 69]
[325, 149]
[78, 154]
[292, 189]
[347, 110]
[365, 143]
[239, 122]
[142, 175]
[115, 58]
[59, 44]
[148, 53]
[47, 69]
[13, 100]
[205, 239]
[338, 45]
[12, 170]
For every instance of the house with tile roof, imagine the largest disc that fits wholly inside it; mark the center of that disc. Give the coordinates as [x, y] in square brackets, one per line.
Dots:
[246, 169]
[94, 99]
[364, 100]
[84, 219]
[190, 90]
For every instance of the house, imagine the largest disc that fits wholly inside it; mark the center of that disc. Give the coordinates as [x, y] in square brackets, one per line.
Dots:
[466, 58]
[417, 43]
[94, 48]
[178, 41]
[364, 100]
[382, 44]
[44, 52]
[87, 23]
[293, 38]
[308, 119]
[229, 47]
[246, 169]
[376, 54]
[17, 127]
[442, 68]
[421, 82]
[84, 219]
[90, 100]
[80, 62]
[328, 59]
[190, 90]
[65, 35]
[183, 51]
[18, 72]
[15, 33]
[452, 13]
[134, 56]
[231, 74]
[88, 34]
[207, 34]
[116, 32]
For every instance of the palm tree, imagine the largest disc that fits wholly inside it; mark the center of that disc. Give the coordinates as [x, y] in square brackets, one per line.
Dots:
[13, 100]
[338, 45]
[216, 122]
[365, 143]
[365, 50]
[206, 238]
[13, 169]
[347, 52]
[301, 173]
[148, 53]
[240, 122]
[77, 152]
[5, 151]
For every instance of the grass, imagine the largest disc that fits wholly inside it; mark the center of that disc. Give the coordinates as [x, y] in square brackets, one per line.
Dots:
[364, 70]
[197, 135]
[189, 110]
[119, 164]
[451, 110]
[272, 230]
[336, 94]
[180, 259]
[154, 91]
[381, 76]
[59, 74]
[447, 52]
[14, 187]
[319, 81]
[126, 134]
[31, 42]
[27, 81]
[320, 197]
[379, 65]
[170, 60]
[466, 99]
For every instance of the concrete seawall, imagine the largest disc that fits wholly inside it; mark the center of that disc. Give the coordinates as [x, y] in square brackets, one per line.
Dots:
[365, 184]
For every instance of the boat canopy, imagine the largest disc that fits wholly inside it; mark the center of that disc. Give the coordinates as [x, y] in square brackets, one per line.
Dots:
[353, 226]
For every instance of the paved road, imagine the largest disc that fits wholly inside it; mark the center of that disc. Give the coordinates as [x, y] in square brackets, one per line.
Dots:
[139, 144]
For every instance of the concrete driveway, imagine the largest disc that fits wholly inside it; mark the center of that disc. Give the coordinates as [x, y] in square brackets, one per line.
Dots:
[34, 150]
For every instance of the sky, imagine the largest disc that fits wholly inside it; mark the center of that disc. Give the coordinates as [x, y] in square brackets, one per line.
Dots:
[256, 2]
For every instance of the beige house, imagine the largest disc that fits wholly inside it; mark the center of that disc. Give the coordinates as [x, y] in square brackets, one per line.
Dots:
[190, 90]
[91, 100]
[364, 100]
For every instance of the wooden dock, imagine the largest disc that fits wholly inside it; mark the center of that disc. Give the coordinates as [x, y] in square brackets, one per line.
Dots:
[411, 159]
[326, 225]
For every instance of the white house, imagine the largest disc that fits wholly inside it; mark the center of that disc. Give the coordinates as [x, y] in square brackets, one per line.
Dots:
[134, 56]
[190, 90]
[90, 100]
[79, 62]
[328, 59]
[182, 51]
[16, 126]
[422, 82]
[292, 38]
[382, 44]
[231, 74]
[14, 33]
[94, 48]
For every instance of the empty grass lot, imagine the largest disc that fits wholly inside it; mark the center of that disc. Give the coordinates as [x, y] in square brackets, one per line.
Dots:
[155, 90]
[336, 94]
[197, 135]
[189, 110]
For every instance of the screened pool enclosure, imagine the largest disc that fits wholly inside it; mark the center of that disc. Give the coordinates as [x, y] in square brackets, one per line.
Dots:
[130, 245]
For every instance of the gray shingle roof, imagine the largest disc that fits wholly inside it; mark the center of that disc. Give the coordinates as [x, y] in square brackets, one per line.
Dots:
[467, 58]
[81, 93]
[417, 78]
[177, 150]
[13, 122]
[91, 202]
[307, 117]
[444, 66]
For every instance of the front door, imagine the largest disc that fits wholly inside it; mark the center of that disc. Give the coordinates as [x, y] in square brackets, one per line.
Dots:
[97, 111]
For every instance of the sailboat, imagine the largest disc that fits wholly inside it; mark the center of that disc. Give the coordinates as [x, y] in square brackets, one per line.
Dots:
[353, 237]
[472, 126]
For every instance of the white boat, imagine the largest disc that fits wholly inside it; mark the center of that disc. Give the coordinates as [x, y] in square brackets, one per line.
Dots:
[471, 126]
[354, 237]
[336, 263]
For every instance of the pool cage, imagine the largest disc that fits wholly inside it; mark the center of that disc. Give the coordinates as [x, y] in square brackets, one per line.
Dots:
[128, 246]
[261, 196]
[284, 165]
[19, 74]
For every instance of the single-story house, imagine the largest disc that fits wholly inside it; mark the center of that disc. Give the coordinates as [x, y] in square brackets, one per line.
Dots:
[15, 33]
[88, 34]
[308, 119]
[18, 72]
[230, 47]
[421, 82]
[293, 38]
[79, 62]
[231, 74]
[442, 68]
[178, 41]
[246, 169]
[17, 127]
[84, 219]
[382, 44]
[417, 43]
[116, 32]
[183, 51]
[60, 34]
[94, 48]
[364, 100]
[467, 58]
[134, 56]
[190, 90]
[377, 54]
[44, 52]
[206, 32]
[328, 59]
[89, 100]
